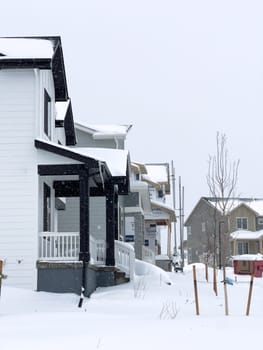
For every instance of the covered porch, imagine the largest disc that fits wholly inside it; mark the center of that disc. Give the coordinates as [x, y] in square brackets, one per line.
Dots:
[70, 248]
[161, 216]
[246, 242]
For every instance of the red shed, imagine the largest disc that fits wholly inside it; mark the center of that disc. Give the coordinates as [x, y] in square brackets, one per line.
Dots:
[248, 264]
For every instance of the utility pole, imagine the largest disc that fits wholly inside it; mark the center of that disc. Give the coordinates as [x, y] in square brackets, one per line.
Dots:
[181, 203]
[182, 235]
[174, 204]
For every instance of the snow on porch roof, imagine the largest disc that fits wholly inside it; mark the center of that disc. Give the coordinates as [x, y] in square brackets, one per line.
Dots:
[157, 172]
[245, 234]
[115, 159]
[250, 257]
[101, 131]
[25, 48]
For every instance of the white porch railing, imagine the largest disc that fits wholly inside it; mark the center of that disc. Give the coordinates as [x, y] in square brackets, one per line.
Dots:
[97, 251]
[148, 255]
[59, 246]
[125, 258]
[64, 246]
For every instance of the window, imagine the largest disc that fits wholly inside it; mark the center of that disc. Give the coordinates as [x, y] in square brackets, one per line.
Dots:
[242, 223]
[146, 243]
[160, 194]
[203, 226]
[260, 221]
[242, 248]
[47, 114]
[46, 209]
[137, 177]
[189, 230]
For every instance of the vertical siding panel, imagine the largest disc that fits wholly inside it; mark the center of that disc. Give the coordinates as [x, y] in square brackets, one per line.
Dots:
[18, 177]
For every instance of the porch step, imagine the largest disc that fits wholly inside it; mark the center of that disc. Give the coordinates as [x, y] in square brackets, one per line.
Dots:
[120, 277]
[108, 275]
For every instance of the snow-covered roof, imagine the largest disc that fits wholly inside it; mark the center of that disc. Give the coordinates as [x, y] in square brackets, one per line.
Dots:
[25, 48]
[102, 131]
[61, 109]
[245, 234]
[157, 172]
[116, 159]
[250, 257]
[255, 204]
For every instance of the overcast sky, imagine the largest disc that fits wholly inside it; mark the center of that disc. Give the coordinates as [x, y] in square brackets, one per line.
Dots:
[179, 71]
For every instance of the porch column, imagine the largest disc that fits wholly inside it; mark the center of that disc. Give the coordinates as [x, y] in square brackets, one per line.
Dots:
[169, 240]
[116, 215]
[110, 226]
[84, 253]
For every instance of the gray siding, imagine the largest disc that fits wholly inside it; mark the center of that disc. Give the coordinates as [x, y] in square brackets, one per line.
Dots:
[132, 200]
[86, 140]
[204, 224]
[68, 220]
[139, 233]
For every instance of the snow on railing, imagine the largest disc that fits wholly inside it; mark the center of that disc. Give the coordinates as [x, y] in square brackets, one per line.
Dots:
[97, 251]
[125, 258]
[59, 246]
[148, 255]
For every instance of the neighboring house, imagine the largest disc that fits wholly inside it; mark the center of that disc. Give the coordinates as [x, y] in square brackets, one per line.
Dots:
[206, 223]
[42, 169]
[145, 209]
[136, 205]
[162, 215]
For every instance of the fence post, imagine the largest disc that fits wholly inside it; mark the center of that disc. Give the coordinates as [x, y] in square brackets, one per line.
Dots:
[250, 293]
[196, 292]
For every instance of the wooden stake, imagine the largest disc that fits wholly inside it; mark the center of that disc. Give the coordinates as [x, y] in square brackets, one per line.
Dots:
[214, 277]
[196, 292]
[206, 272]
[225, 291]
[250, 294]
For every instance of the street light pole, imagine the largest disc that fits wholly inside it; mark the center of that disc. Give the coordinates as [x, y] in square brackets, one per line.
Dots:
[174, 205]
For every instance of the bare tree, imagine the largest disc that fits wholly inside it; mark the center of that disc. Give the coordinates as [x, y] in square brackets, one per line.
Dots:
[222, 180]
[222, 175]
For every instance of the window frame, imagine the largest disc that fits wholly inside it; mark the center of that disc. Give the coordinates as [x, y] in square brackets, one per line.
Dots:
[242, 220]
[242, 247]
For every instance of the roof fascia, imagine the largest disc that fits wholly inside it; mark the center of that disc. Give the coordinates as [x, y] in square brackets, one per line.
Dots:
[66, 153]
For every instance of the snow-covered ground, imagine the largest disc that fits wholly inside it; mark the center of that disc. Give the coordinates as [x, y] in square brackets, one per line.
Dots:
[148, 313]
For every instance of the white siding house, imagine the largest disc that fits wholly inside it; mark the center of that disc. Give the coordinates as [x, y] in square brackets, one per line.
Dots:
[39, 164]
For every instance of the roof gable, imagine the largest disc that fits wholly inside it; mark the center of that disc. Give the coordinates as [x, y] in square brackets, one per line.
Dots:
[43, 52]
[202, 201]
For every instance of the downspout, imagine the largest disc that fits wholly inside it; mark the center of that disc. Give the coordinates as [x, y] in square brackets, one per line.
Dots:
[116, 142]
[37, 128]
